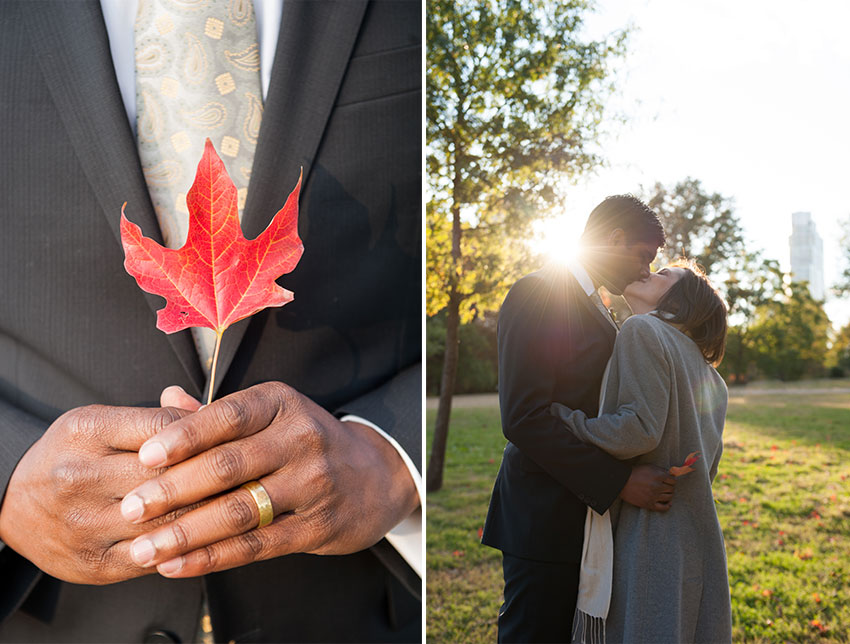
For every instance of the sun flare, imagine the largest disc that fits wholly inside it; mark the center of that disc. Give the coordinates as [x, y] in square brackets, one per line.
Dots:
[558, 238]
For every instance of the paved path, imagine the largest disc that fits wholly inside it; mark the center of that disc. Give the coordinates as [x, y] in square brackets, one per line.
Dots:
[467, 400]
[492, 400]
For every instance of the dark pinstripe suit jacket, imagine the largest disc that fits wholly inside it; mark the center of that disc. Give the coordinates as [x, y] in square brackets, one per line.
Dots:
[345, 103]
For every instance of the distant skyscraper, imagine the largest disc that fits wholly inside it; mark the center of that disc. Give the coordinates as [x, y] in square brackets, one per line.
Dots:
[806, 253]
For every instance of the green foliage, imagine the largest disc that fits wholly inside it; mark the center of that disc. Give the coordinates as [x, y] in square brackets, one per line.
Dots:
[703, 226]
[790, 335]
[513, 104]
[782, 497]
[839, 352]
[477, 361]
[843, 285]
[699, 225]
[777, 333]
[435, 339]
[751, 282]
[514, 100]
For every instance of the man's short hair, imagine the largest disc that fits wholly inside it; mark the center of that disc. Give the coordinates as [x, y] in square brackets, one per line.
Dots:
[634, 217]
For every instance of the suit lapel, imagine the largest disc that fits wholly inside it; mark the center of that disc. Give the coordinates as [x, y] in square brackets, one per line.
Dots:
[595, 314]
[315, 43]
[70, 41]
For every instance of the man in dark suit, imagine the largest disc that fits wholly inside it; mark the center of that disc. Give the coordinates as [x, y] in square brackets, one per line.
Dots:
[344, 103]
[554, 344]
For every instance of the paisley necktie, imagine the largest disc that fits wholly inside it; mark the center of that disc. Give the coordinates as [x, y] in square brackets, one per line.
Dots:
[197, 77]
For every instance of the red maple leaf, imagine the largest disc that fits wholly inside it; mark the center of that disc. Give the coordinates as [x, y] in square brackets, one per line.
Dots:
[218, 277]
[685, 468]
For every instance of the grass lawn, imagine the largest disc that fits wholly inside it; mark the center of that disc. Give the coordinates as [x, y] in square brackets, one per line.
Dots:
[814, 383]
[782, 497]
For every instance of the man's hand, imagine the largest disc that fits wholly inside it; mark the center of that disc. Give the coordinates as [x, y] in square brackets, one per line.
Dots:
[649, 487]
[336, 488]
[61, 509]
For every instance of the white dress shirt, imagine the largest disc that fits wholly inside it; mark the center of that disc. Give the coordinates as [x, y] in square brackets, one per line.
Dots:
[119, 16]
[582, 277]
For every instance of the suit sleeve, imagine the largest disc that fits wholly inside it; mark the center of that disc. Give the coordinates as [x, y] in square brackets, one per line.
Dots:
[639, 384]
[395, 407]
[533, 350]
[18, 431]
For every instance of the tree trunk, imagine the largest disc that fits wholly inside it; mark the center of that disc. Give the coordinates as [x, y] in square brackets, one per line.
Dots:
[436, 463]
[434, 476]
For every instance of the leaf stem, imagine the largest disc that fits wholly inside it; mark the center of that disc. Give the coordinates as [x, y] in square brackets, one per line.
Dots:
[218, 335]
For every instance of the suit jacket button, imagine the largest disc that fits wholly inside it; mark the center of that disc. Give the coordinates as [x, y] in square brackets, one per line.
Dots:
[161, 637]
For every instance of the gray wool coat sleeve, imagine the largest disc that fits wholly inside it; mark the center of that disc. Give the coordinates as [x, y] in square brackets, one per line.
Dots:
[663, 401]
[640, 367]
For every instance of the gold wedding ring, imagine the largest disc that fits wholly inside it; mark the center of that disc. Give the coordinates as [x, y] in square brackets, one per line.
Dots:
[263, 501]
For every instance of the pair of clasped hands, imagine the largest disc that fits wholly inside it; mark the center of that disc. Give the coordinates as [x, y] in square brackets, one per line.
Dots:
[112, 493]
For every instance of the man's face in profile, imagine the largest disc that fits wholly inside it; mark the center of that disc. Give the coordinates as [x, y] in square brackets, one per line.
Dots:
[631, 263]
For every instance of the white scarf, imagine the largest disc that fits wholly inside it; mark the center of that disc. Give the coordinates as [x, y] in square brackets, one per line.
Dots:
[597, 569]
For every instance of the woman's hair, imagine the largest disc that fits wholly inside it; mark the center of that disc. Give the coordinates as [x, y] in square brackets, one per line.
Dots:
[696, 306]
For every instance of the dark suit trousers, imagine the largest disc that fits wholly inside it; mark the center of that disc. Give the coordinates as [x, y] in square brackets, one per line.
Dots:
[540, 600]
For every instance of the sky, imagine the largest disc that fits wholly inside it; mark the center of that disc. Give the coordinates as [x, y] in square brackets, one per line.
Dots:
[750, 97]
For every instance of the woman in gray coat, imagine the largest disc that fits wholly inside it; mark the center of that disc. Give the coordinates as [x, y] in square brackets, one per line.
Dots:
[662, 400]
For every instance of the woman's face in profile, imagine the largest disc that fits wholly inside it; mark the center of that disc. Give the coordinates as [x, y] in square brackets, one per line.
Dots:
[644, 295]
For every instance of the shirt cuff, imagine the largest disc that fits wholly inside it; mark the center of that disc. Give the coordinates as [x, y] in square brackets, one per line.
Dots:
[406, 537]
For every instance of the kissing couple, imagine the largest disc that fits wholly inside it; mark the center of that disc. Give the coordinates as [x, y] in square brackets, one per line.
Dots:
[602, 507]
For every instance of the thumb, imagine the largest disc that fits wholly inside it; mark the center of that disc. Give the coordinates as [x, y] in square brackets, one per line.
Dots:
[175, 396]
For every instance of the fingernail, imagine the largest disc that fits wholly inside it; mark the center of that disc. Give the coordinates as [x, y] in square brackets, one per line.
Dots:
[171, 566]
[152, 454]
[132, 507]
[142, 551]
